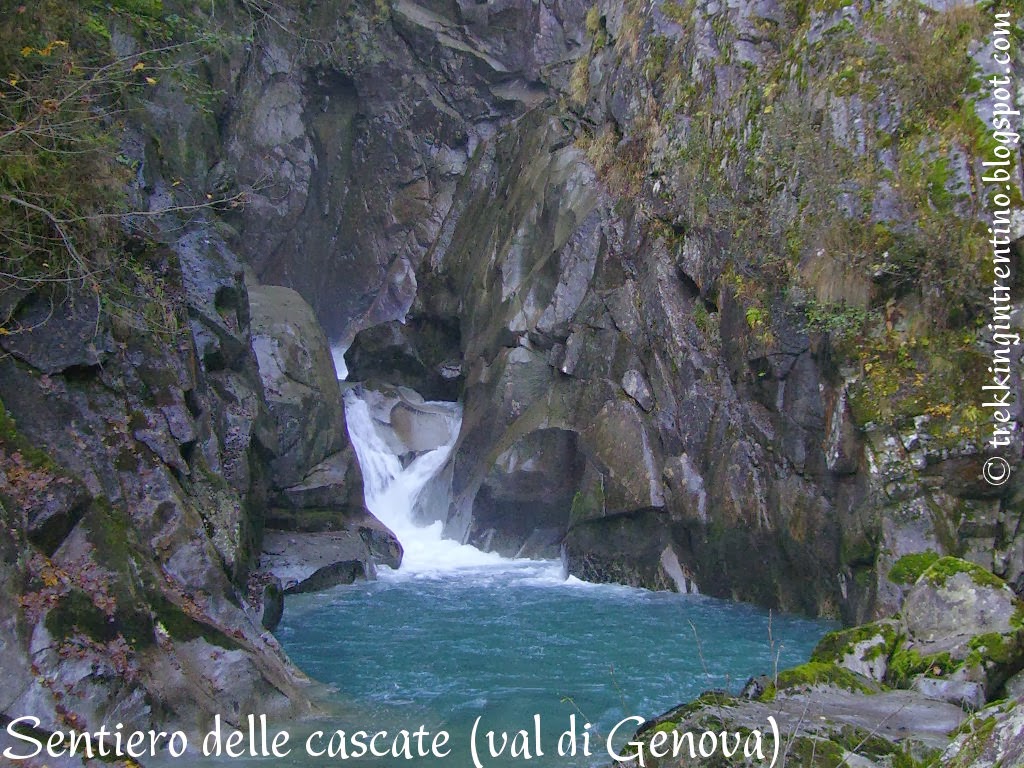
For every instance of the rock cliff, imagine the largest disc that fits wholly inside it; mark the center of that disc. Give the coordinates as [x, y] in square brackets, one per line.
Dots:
[700, 259]
[691, 268]
[135, 474]
[709, 278]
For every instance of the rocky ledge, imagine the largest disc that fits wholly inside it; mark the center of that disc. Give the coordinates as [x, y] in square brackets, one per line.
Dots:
[935, 685]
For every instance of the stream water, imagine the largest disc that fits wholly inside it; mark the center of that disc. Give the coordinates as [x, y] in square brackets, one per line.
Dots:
[458, 634]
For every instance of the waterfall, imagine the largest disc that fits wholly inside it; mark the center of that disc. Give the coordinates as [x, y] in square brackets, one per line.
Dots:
[391, 489]
[340, 367]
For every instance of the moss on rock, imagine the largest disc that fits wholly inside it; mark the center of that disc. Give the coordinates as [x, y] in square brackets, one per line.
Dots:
[835, 646]
[817, 673]
[939, 573]
[909, 568]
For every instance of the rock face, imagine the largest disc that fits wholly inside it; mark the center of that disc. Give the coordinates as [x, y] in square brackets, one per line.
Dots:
[299, 380]
[133, 482]
[723, 369]
[352, 147]
[318, 532]
[996, 738]
[310, 562]
[423, 355]
[695, 271]
[958, 638]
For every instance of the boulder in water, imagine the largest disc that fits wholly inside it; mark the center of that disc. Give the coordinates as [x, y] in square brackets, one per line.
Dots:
[421, 427]
[299, 380]
[309, 562]
[333, 575]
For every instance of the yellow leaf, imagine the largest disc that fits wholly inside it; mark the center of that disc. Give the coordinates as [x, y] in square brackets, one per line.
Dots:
[151, 80]
[27, 50]
[138, 67]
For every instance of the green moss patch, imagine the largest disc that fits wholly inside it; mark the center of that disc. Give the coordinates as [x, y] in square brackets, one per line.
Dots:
[834, 646]
[943, 569]
[909, 568]
[816, 673]
[815, 753]
[12, 440]
[180, 626]
[906, 663]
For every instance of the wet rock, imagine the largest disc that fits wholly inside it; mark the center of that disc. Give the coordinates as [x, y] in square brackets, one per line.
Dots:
[542, 544]
[624, 548]
[330, 493]
[272, 605]
[421, 427]
[529, 489]
[421, 353]
[333, 575]
[54, 333]
[383, 546]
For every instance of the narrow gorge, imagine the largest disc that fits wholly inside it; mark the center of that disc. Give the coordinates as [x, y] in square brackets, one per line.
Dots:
[612, 351]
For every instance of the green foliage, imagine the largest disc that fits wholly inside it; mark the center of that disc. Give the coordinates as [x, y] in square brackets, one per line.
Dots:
[757, 318]
[760, 168]
[904, 376]
[587, 504]
[658, 51]
[596, 29]
[63, 181]
[579, 81]
[381, 12]
[808, 752]
[12, 441]
[907, 663]
[993, 648]
[838, 319]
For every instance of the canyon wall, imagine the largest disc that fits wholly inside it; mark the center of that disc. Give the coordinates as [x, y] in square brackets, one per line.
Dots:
[710, 279]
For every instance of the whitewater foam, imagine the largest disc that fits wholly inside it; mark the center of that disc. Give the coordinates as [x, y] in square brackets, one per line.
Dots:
[391, 491]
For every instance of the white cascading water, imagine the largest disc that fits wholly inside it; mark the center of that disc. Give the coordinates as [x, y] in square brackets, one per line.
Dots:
[340, 367]
[391, 492]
